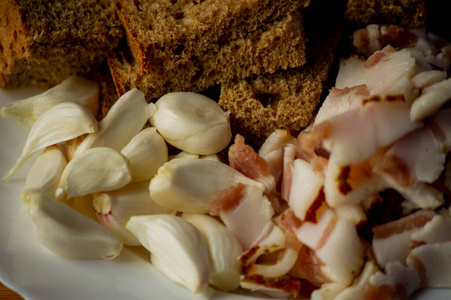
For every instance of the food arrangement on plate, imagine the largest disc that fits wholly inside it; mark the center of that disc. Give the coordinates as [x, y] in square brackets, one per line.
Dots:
[218, 137]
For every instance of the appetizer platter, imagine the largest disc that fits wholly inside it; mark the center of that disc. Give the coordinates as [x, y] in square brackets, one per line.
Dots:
[196, 155]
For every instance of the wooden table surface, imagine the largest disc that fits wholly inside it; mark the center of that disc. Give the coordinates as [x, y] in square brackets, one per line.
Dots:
[7, 294]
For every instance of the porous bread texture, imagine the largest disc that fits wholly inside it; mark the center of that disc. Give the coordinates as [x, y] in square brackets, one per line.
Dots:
[45, 41]
[406, 13]
[53, 28]
[260, 105]
[171, 32]
[280, 44]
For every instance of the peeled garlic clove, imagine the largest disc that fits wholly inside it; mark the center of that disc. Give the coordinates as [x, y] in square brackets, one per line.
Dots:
[191, 122]
[146, 152]
[123, 121]
[45, 173]
[191, 185]
[61, 123]
[75, 89]
[177, 248]
[95, 170]
[115, 208]
[224, 251]
[68, 233]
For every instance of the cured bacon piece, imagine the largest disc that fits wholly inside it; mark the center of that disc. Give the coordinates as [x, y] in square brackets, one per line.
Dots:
[391, 241]
[349, 185]
[272, 151]
[374, 37]
[433, 97]
[412, 162]
[355, 135]
[273, 240]
[427, 78]
[435, 49]
[341, 100]
[420, 154]
[306, 187]
[336, 243]
[244, 159]
[389, 74]
[308, 266]
[245, 211]
[397, 282]
[282, 287]
[283, 262]
[434, 260]
[287, 175]
[351, 73]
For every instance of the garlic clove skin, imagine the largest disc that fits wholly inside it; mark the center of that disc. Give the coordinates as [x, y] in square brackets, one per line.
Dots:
[224, 251]
[124, 120]
[45, 173]
[95, 170]
[115, 208]
[177, 248]
[191, 122]
[75, 89]
[146, 152]
[61, 123]
[191, 185]
[70, 234]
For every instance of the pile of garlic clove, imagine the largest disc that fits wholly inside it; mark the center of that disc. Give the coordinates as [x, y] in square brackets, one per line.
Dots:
[89, 192]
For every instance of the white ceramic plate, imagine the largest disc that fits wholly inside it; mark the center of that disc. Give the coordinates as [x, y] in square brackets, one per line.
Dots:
[36, 273]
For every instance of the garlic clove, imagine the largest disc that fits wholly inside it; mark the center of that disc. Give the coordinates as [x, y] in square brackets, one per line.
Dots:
[124, 120]
[75, 89]
[45, 173]
[191, 185]
[61, 123]
[68, 233]
[115, 208]
[177, 248]
[94, 170]
[191, 122]
[223, 248]
[146, 152]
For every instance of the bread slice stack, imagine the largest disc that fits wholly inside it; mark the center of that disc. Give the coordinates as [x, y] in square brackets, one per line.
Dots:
[288, 98]
[43, 42]
[193, 45]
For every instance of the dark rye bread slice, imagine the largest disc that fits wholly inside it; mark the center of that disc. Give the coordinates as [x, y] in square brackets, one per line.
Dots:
[287, 99]
[43, 42]
[406, 13]
[45, 73]
[171, 32]
[280, 44]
